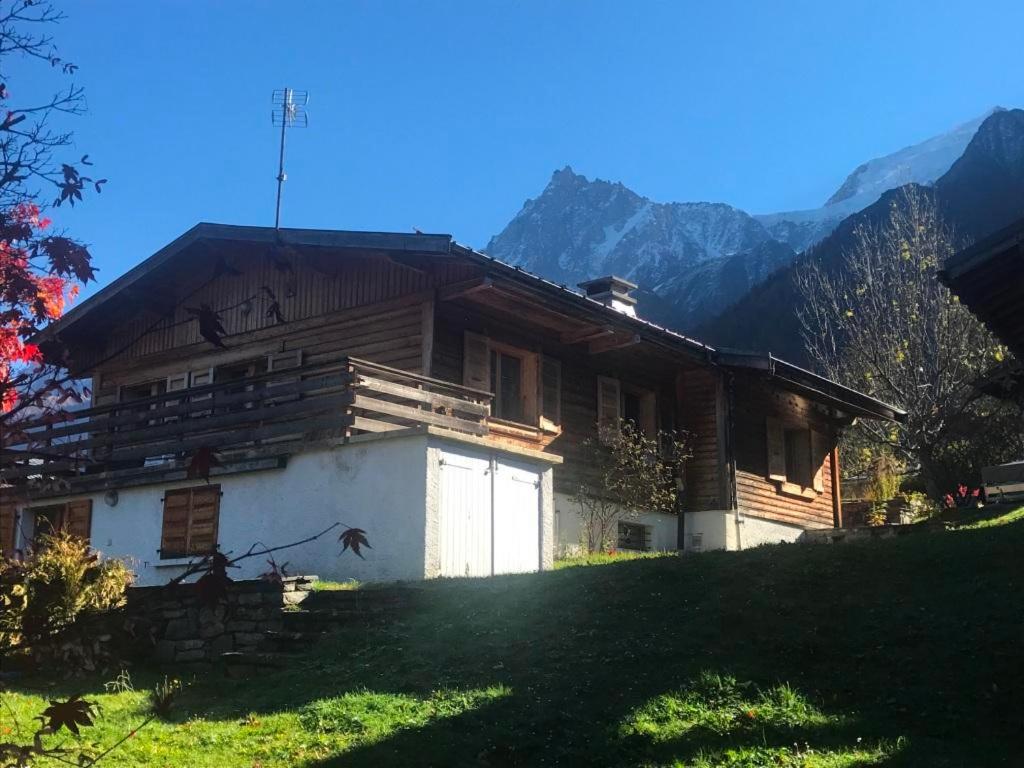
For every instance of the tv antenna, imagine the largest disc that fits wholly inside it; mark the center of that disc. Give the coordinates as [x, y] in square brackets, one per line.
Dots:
[289, 112]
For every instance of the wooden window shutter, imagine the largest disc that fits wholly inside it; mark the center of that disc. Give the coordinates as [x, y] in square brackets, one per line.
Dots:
[205, 519]
[78, 518]
[174, 533]
[530, 379]
[819, 450]
[609, 402]
[8, 526]
[649, 414]
[551, 390]
[476, 362]
[776, 449]
[190, 522]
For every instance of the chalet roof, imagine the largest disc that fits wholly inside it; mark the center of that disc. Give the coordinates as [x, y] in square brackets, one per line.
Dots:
[552, 294]
[988, 278]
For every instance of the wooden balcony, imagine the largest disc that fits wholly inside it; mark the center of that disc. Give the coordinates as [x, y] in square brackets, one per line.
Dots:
[245, 424]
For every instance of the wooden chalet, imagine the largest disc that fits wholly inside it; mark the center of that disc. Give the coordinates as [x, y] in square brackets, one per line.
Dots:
[406, 385]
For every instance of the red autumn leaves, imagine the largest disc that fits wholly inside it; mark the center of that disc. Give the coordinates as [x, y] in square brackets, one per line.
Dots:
[39, 276]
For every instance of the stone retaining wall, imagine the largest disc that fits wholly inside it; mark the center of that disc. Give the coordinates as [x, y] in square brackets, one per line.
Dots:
[184, 630]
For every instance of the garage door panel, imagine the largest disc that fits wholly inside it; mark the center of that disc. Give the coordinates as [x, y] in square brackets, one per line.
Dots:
[489, 517]
[516, 519]
[465, 544]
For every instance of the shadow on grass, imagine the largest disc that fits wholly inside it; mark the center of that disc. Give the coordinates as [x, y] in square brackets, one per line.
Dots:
[911, 643]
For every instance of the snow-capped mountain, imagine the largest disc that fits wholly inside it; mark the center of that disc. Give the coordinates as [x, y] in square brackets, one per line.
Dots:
[921, 163]
[691, 259]
[680, 252]
[981, 192]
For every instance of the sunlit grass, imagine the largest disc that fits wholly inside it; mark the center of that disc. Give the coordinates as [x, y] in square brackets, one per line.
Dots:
[335, 586]
[900, 652]
[604, 558]
[777, 726]
[1006, 518]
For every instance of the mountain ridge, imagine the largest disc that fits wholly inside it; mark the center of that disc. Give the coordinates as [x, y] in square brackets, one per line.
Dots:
[693, 257]
[980, 193]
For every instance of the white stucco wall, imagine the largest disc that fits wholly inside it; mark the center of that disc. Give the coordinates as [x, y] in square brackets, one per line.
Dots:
[568, 527]
[379, 486]
[731, 530]
[387, 486]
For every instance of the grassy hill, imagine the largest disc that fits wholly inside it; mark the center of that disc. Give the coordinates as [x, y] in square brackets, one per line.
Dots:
[902, 652]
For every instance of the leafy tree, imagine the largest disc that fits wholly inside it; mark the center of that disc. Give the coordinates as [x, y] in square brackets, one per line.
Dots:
[40, 270]
[627, 474]
[885, 325]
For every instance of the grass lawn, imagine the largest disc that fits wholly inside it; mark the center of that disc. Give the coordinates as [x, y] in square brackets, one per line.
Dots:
[897, 652]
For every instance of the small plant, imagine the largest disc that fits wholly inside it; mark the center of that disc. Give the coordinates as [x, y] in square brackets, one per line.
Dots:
[163, 695]
[877, 515]
[120, 684]
[62, 578]
[921, 505]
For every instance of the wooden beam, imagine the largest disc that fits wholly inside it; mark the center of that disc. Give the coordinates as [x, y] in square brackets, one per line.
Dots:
[617, 341]
[837, 499]
[586, 334]
[465, 288]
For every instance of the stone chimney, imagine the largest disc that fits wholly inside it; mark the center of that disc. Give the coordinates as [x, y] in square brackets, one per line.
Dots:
[613, 292]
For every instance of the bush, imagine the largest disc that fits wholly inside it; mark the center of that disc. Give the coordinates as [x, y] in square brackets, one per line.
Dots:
[62, 579]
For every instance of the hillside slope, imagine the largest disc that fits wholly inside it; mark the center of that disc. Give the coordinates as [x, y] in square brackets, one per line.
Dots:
[900, 652]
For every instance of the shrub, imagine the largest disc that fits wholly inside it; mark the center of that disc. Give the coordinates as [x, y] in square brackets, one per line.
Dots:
[627, 473]
[62, 579]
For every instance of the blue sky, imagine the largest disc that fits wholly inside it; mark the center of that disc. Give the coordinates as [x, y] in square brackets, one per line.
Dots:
[446, 116]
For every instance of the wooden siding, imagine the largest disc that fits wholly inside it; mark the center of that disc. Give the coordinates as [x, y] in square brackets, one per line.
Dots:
[756, 494]
[579, 384]
[390, 333]
[312, 287]
[699, 399]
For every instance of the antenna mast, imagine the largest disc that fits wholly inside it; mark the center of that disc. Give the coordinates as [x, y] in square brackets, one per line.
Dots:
[289, 112]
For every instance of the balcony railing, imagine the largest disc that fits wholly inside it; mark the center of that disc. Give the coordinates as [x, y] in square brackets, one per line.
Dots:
[256, 418]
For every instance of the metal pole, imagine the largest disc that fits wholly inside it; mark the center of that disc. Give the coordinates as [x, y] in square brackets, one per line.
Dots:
[280, 167]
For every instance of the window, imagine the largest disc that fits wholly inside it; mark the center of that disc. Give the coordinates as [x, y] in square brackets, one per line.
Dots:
[634, 536]
[796, 458]
[507, 385]
[618, 402]
[190, 521]
[73, 517]
[239, 372]
[513, 375]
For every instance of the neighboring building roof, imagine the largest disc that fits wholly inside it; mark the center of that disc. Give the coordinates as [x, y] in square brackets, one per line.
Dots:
[815, 386]
[988, 278]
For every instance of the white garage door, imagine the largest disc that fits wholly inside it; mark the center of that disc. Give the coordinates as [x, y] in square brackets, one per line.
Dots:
[489, 516]
[516, 519]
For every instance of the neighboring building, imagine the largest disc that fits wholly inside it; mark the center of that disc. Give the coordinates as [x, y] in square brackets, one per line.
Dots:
[988, 278]
[406, 385]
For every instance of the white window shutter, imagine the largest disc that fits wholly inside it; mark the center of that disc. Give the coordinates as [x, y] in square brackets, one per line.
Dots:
[476, 362]
[776, 449]
[283, 361]
[609, 402]
[201, 379]
[177, 381]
